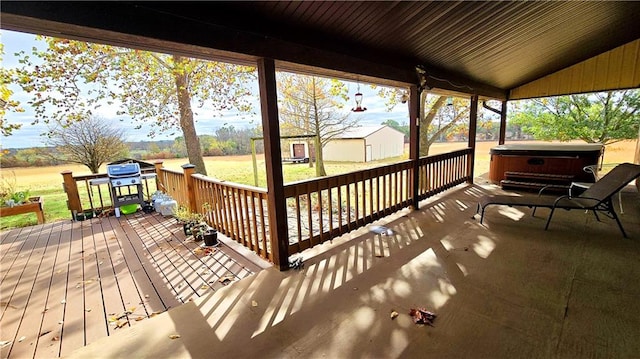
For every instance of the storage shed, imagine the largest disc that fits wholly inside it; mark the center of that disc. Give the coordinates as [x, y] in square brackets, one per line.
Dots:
[364, 144]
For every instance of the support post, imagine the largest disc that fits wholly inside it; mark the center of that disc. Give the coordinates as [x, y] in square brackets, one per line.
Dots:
[277, 210]
[159, 178]
[473, 127]
[637, 157]
[414, 143]
[188, 170]
[71, 189]
[503, 123]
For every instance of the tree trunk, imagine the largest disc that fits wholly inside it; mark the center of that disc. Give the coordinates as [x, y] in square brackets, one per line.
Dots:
[309, 143]
[425, 122]
[320, 171]
[186, 119]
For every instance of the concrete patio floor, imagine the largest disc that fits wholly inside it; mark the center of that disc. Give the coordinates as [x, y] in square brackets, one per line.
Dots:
[505, 289]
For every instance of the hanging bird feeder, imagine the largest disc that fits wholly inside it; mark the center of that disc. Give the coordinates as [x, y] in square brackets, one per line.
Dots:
[358, 97]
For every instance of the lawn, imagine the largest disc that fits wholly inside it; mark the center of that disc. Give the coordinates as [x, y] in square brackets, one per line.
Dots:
[47, 181]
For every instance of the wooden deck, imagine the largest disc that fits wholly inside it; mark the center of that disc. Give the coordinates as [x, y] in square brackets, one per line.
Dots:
[66, 284]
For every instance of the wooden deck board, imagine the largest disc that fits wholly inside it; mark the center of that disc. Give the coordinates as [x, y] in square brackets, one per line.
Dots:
[63, 282]
[17, 287]
[48, 344]
[73, 327]
[91, 286]
[31, 294]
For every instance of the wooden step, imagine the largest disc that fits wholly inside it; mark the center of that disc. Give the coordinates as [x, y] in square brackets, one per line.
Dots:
[533, 185]
[539, 176]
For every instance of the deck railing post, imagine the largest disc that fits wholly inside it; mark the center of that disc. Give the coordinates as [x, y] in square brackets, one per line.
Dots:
[276, 201]
[71, 189]
[159, 178]
[189, 170]
[414, 143]
[473, 124]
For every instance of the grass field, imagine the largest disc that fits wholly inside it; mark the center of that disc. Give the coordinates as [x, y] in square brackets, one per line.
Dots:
[47, 181]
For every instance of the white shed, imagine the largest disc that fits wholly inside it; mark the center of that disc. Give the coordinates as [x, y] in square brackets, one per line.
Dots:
[364, 144]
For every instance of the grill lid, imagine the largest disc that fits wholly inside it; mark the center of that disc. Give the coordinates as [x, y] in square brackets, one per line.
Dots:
[123, 170]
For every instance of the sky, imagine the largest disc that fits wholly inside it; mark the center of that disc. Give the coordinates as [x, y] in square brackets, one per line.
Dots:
[206, 121]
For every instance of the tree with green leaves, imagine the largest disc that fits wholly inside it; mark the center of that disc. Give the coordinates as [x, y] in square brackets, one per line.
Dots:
[6, 102]
[91, 142]
[70, 80]
[309, 105]
[603, 117]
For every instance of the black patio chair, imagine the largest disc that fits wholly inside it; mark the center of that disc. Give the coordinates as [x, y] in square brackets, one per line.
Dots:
[597, 198]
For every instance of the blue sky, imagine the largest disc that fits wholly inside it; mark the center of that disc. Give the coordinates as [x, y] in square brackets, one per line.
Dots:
[206, 121]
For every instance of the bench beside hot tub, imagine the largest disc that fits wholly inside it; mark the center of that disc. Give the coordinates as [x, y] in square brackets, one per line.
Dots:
[534, 166]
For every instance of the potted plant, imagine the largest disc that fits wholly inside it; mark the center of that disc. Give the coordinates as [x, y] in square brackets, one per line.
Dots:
[19, 202]
[188, 219]
[207, 233]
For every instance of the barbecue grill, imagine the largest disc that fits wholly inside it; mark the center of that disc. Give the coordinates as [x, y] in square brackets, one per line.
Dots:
[125, 184]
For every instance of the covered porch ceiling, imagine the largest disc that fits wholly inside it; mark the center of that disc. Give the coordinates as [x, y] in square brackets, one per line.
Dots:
[497, 49]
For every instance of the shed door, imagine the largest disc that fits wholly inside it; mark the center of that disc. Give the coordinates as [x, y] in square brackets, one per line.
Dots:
[368, 154]
[298, 150]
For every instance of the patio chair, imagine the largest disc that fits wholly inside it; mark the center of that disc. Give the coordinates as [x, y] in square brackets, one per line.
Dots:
[597, 198]
[581, 186]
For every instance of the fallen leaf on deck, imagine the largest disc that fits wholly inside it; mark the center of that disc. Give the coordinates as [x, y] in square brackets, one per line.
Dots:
[63, 301]
[88, 310]
[422, 316]
[154, 314]
[254, 303]
[122, 324]
[55, 339]
[131, 310]
[6, 304]
[394, 314]
[226, 279]
[5, 343]
[174, 336]
[139, 319]
[204, 287]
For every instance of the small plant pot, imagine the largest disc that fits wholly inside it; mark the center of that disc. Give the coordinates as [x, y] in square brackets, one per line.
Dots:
[80, 217]
[211, 238]
[88, 214]
[187, 228]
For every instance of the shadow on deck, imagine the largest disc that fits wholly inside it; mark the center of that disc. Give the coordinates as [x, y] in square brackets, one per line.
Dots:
[67, 284]
[505, 289]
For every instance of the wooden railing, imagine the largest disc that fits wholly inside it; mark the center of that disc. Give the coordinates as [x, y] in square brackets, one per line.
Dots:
[441, 172]
[323, 208]
[174, 184]
[238, 211]
[317, 209]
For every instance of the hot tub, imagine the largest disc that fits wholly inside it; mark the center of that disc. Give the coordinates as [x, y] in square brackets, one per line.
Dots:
[546, 159]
